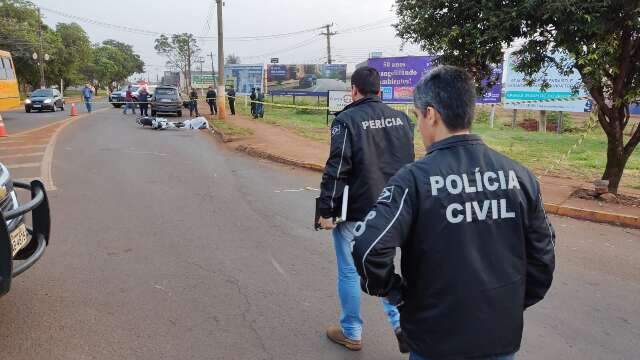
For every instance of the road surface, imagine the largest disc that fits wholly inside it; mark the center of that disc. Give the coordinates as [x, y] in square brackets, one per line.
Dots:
[167, 246]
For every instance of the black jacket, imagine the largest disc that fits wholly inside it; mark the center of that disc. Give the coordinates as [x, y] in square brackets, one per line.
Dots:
[232, 95]
[477, 249]
[211, 95]
[369, 143]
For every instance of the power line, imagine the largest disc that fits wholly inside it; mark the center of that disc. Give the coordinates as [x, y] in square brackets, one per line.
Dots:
[294, 47]
[155, 33]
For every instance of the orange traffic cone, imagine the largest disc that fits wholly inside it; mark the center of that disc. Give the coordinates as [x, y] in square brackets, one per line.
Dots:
[74, 110]
[3, 131]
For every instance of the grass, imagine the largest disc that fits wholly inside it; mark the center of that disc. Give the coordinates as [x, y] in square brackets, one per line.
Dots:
[538, 151]
[231, 130]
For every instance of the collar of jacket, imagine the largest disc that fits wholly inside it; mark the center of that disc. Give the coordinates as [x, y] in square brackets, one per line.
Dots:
[453, 141]
[364, 100]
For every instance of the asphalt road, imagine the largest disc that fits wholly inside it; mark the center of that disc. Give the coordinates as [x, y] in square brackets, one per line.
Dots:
[18, 120]
[167, 246]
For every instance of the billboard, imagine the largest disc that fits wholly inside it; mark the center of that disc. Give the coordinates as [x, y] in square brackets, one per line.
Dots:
[306, 79]
[516, 90]
[202, 80]
[338, 99]
[243, 77]
[400, 75]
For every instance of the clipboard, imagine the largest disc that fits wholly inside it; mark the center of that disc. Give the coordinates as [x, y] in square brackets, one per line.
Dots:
[342, 217]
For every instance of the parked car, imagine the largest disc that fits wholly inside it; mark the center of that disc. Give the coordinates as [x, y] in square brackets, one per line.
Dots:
[308, 81]
[44, 99]
[117, 98]
[21, 246]
[166, 100]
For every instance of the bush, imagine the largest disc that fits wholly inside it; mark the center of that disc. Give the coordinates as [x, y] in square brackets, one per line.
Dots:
[567, 122]
[482, 116]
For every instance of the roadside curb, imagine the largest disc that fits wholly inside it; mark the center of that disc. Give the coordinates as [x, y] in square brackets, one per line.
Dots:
[555, 209]
[278, 158]
[594, 216]
[219, 133]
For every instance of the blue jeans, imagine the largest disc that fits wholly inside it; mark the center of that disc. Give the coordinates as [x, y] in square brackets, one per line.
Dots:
[129, 105]
[349, 285]
[415, 356]
[87, 103]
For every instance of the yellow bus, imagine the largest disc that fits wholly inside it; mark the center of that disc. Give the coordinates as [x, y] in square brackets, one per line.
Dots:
[9, 94]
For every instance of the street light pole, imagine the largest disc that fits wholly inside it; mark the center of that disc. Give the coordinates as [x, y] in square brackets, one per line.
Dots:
[222, 114]
[41, 55]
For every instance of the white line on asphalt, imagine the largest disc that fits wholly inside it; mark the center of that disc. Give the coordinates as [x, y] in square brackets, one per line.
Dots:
[22, 147]
[278, 267]
[4, 157]
[144, 153]
[21, 166]
[47, 161]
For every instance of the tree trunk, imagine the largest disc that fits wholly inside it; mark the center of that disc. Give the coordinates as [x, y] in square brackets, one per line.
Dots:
[616, 160]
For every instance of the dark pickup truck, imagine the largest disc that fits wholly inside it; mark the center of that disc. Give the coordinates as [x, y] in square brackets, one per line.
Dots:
[21, 245]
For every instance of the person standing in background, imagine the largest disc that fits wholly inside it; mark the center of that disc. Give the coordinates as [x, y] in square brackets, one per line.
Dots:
[87, 94]
[253, 98]
[211, 100]
[231, 93]
[193, 102]
[143, 98]
[128, 101]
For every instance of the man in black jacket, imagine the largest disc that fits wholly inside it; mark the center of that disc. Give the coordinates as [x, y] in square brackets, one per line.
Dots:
[477, 246]
[211, 100]
[369, 143]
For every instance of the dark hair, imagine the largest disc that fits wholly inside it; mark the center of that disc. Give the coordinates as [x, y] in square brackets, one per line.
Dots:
[366, 80]
[451, 91]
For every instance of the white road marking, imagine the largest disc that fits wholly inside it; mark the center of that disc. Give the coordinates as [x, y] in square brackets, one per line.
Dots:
[297, 190]
[4, 157]
[47, 160]
[145, 153]
[21, 166]
[277, 266]
[22, 147]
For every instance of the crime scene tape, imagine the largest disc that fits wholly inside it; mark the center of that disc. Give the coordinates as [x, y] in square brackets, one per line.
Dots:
[589, 125]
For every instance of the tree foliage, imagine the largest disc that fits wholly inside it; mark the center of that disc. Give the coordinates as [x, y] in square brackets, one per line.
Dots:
[232, 59]
[72, 56]
[598, 38]
[180, 51]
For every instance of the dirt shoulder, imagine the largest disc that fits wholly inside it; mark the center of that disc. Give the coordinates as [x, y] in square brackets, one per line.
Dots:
[284, 145]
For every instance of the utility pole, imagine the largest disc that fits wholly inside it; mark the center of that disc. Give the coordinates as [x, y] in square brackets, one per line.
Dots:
[213, 69]
[328, 34]
[41, 56]
[222, 114]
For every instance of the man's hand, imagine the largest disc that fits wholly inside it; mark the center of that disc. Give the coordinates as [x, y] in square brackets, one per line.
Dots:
[327, 223]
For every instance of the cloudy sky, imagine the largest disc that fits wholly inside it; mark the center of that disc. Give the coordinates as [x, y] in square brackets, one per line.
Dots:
[363, 26]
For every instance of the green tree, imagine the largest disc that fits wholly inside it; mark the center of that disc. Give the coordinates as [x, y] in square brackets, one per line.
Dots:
[112, 61]
[601, 38]
[232, 59]
[180, 50]
[76, 52]
[19, 22]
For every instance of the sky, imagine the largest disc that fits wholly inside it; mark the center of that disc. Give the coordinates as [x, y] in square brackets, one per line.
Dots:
[363, 26]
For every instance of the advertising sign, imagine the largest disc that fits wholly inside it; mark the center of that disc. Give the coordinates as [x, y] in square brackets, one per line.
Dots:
[338, 99]
[516, 90]
[202, 80]
[306, 80]
[244, 77]
[400, 75]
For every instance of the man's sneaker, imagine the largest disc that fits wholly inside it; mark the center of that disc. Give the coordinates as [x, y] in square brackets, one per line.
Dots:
[335, 334]
[402, 341]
